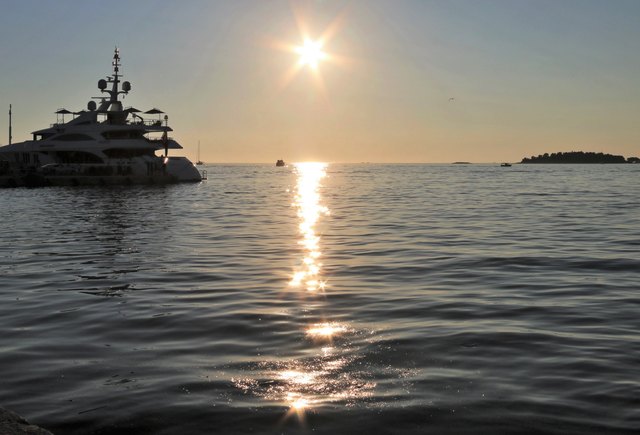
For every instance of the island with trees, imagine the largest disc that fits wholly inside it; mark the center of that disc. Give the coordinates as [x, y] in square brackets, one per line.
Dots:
[579, 157]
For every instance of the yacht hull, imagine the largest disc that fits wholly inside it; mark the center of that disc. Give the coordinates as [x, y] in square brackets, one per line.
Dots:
[157, 170]
[38, 180]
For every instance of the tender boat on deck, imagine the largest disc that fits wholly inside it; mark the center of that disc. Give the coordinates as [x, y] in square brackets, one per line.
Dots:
[105, 144]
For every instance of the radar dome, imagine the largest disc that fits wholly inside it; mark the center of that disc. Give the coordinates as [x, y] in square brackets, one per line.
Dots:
[102, 84]
[126, 86]
[91, 105]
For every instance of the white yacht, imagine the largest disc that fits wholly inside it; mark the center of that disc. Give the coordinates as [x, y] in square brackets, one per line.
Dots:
[105, 144]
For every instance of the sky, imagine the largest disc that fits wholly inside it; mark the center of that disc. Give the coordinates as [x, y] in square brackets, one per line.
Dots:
[430, 81]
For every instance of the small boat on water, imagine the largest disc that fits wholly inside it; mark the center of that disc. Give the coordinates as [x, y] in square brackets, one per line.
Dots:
[280, 163]
[105, 144]
[505, 165]
[198, 161]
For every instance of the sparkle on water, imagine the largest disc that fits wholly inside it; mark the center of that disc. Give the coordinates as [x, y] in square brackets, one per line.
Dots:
[307, 201]
[325, 330]
[303, 384]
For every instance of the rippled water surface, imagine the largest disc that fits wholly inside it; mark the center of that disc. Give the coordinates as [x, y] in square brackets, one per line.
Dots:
[327, 299]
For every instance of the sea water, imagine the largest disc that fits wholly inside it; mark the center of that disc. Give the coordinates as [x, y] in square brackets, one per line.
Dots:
[334, 298]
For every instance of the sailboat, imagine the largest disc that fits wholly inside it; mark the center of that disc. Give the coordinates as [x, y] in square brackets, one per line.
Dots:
[198, 161]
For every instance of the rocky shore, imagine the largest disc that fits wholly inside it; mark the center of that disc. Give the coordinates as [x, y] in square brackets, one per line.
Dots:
[12, 424]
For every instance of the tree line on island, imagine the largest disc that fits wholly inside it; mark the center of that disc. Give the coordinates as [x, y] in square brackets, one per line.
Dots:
[579, 157]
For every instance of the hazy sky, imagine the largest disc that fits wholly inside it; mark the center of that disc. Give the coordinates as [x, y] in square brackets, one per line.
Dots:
[527, 77]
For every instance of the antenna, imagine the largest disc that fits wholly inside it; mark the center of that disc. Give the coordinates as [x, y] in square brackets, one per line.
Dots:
[10, 137]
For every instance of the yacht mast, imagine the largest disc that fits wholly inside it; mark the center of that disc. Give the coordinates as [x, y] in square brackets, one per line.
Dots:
[10, 137]
[116, 68]
[113, 103]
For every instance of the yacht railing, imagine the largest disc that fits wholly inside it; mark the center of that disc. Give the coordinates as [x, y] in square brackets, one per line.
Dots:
[159, 141]
[147, 122]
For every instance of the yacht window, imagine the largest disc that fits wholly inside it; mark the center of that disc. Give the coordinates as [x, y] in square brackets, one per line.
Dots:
[120, 153]
[77, 157]
[74, 137]
[42, 136]
[122, 134]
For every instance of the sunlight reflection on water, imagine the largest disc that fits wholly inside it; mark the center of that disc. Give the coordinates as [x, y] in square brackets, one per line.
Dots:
[307, 201]
[326, 330]
[330, 375]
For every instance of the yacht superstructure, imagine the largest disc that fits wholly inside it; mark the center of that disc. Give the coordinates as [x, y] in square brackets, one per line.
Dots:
[105, 144]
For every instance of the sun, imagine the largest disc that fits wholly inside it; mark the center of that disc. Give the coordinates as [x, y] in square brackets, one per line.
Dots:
[311, 53]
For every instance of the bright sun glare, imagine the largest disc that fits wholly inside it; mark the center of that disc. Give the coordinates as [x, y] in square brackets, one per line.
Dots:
[311, 53]
[311, 50]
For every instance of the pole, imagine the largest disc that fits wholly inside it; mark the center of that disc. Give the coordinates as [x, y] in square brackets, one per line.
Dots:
[10, 137]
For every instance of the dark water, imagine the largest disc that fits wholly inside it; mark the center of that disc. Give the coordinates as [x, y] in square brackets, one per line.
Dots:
[441, 299]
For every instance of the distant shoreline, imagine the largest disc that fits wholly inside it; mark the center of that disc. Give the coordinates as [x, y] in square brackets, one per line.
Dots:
[579, 157]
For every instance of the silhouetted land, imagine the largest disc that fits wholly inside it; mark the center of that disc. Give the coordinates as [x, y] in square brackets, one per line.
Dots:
[579, 157]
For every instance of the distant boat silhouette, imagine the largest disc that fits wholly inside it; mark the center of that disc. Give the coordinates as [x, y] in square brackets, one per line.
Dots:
[505, 165]
[199, 162]
[280, 163]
